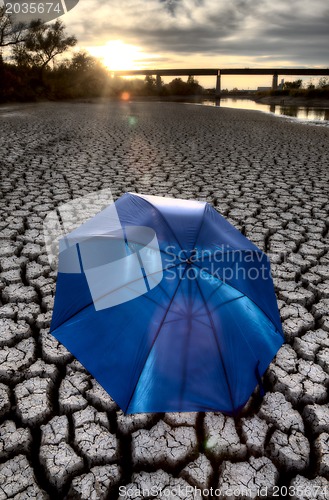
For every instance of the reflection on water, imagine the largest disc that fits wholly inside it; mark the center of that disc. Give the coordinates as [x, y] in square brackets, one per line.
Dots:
[300, 112]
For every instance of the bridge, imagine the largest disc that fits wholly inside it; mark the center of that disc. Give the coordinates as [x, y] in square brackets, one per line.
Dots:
[275, 72]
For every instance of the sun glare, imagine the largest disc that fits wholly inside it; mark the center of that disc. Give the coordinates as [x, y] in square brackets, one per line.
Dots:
[117, 55]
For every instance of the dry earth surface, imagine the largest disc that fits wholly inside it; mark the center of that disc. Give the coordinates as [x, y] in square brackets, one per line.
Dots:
[61, 435]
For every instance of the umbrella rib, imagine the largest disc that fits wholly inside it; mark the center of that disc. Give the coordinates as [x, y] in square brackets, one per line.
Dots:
[229, 302]
[201, 322]
[180, 313]
[167, 224]
[200, 226]
[223, 303]
[211, 295]
[187, 344]
[108, 293]
[265, 314]
[156, 249]
[155, 338]
[218, 346]
[130, 283]
[78, 241]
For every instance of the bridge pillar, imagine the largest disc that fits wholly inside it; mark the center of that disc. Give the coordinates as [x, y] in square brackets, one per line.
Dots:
[275, 81]
[158, 83]
[218, 82]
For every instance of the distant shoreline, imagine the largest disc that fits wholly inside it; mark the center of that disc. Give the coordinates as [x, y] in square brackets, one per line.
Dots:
[275, 100]
[292, 101]
[285, 100]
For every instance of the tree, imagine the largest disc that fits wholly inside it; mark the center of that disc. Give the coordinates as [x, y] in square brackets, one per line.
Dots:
[193, 86]
[43, 42]
[323, 83]
[11, 33]
[150, 85]
[82, 62]
[293, 85]
[191, 80]
[178, 87]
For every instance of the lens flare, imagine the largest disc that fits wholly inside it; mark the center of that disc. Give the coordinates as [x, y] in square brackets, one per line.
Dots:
[132, 120]
[125, 96]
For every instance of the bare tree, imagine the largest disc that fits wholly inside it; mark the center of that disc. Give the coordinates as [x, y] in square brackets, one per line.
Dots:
[11, 33]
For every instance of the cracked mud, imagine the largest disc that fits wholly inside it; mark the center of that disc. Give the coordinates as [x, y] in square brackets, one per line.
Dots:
[61, 434]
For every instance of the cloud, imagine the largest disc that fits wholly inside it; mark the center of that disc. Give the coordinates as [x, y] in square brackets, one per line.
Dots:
[255, 30]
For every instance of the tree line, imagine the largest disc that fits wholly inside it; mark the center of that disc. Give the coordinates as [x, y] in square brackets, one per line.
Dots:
[298, 88]
[30, 67]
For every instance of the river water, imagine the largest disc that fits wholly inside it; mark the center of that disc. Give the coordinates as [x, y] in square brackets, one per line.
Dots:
[320, 115]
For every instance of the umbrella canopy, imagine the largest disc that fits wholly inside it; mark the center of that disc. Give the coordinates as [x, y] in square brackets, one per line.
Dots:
[167, 305]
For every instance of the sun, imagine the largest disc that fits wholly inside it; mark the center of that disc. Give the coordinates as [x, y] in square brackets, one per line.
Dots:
[117, 55]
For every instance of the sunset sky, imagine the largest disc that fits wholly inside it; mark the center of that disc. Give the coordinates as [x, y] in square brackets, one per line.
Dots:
[204, 33]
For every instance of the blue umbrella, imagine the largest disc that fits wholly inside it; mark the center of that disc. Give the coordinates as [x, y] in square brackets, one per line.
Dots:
[167, 305]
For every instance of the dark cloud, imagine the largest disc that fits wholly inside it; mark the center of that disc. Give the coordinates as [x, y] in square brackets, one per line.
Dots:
[261, 30]
[170, 5]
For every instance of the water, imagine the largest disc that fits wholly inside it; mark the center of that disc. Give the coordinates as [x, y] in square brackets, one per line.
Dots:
[301, 113]
[318, 116]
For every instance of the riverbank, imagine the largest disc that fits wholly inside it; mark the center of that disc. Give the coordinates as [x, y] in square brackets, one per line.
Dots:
[275, 100]
[292, 101]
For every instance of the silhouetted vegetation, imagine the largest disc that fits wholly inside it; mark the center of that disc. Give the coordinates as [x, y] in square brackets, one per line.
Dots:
[297, 84]
[295, 89]
[41, 44]
[178, 87]
[33, 47]
[30, 68]
[11, 33]
[82, 76]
